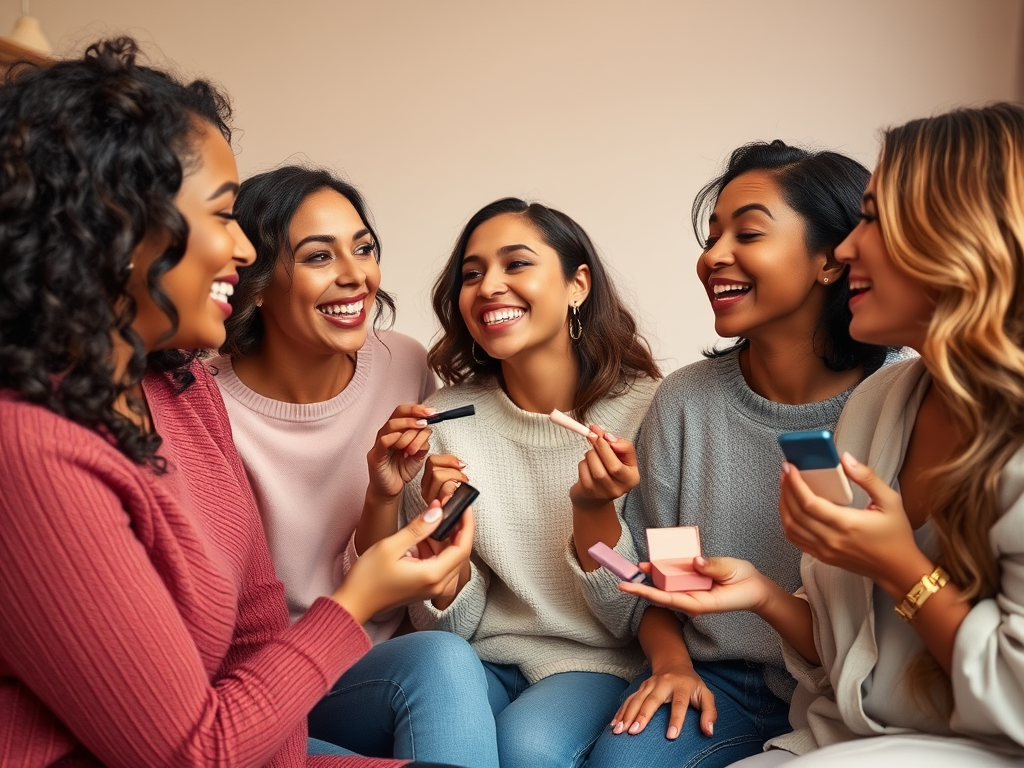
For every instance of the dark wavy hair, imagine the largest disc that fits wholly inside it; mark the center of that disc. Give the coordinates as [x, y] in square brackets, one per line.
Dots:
[92, 154]
[611, 354]
[825, 189]
[264, 208]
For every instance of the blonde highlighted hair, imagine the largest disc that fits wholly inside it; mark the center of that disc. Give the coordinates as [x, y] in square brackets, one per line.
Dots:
[950, 198]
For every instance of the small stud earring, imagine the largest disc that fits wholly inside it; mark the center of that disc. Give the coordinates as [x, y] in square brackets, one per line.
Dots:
[259, 301]
[825, 280]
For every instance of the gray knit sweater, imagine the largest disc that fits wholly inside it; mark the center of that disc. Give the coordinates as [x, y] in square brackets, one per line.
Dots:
[709, 456]
[527, 601]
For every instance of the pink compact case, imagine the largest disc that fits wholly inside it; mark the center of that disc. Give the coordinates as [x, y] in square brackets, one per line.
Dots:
[672, 551]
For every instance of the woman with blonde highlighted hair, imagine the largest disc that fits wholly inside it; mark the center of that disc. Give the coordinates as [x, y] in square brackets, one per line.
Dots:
[907, 639]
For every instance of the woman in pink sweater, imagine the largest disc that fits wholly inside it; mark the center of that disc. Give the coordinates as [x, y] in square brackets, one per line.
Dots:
[141, 623]
[308, 378]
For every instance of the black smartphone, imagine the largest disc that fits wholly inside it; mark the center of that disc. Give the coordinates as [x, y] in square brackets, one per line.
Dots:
[452, 510]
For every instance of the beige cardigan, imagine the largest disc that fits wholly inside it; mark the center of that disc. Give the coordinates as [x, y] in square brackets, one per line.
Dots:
[988, 656]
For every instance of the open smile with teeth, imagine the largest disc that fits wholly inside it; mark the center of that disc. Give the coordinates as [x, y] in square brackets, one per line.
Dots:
[503, 316]
[343, 310]
[729, 291]
[222, 291]
[859, 286]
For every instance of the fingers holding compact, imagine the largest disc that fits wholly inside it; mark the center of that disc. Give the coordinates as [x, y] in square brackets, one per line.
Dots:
[385, 576]
[442, 474]
[680, 688]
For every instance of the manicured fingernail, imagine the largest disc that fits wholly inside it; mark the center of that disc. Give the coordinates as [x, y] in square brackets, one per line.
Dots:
[672, 732]
[610, 437]
[432, 515]
[592, 435]
[430, 411]
[462, 464]
[421, 422]
[785, 467]
[711, 729]
[850, 460]
[700, 561]
[411, 552]
[618, 727]
[634, 728]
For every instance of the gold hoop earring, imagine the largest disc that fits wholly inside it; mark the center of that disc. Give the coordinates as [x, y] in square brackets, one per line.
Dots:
[575, 324]
[476, 359]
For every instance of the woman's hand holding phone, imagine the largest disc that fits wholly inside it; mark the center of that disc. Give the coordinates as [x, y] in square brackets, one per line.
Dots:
[876, 542]
[389, 574]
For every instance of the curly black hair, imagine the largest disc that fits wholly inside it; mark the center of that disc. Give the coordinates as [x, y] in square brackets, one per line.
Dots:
[92, 154]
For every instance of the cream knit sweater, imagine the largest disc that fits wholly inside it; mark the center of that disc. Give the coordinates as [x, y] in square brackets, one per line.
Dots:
[527, 601]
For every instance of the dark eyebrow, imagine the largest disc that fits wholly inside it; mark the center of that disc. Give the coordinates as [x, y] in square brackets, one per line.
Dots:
[466, 259]
[360, 234]
[227, 186]
[328, 239]
[507, 249]
[752, 207]
[713, 218]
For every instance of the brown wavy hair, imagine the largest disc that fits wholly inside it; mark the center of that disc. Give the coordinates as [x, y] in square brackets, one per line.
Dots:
[950, 198]
[610, 354]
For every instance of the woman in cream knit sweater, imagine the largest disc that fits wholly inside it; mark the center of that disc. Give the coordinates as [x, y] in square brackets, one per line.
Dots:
[532, 323]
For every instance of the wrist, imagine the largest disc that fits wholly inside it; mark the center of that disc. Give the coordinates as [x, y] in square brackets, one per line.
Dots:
[378, 494]
[901, 578]
[356, 604]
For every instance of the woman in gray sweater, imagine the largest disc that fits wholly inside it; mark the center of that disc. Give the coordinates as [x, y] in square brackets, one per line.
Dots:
[708, 451]
[907, 642]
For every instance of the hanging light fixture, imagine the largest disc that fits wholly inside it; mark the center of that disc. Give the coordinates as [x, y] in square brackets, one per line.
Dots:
[28, 34]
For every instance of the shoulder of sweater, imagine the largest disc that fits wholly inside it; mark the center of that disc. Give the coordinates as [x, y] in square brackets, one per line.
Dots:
[398, 346]
[878, 384]
[461, 394]
[695, 378]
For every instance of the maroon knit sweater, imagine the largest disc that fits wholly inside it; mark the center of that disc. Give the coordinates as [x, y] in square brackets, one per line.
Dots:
[141, 623]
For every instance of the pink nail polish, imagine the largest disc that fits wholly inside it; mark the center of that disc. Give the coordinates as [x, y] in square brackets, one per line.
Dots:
[421, 422]
[610, 437]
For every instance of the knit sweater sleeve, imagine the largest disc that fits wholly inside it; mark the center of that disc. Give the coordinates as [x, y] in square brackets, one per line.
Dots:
[90, 628]
[654, 503]
[612, 607]
[988, 655]
[463, 616]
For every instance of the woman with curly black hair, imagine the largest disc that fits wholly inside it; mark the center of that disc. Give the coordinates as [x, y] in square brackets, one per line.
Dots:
[142, 623]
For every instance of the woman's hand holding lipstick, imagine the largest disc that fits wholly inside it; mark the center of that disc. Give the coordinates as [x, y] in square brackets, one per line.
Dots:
[608, 470]
[397, 454]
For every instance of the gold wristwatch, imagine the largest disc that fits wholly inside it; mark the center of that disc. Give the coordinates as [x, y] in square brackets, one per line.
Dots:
[920, 592]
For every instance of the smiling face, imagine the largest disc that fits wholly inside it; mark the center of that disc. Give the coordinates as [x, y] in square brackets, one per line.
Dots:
[321, 296]
[755, 268]
[889, 307]
[199, 284]
[514, 298]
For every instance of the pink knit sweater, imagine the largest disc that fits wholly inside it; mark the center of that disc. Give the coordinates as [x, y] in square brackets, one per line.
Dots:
[141, 623]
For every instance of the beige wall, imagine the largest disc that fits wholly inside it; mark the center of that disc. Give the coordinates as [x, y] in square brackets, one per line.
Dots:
[615, 112]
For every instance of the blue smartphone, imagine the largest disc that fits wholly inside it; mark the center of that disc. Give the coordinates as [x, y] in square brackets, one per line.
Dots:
[814, 453]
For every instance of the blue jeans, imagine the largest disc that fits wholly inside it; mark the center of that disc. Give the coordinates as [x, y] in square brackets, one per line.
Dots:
[749, 714]
[421, 696]
[553, 722]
